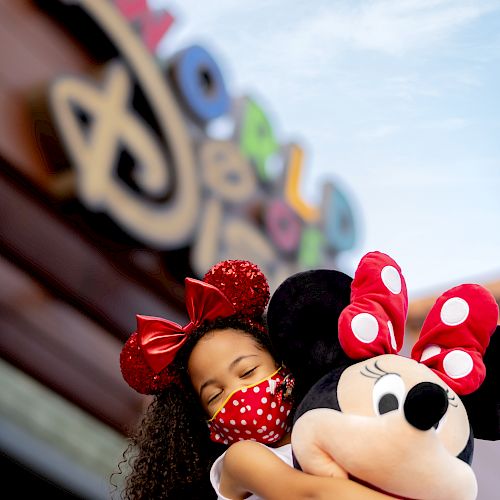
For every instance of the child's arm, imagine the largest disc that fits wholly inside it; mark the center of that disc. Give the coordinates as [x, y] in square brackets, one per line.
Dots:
[250, 467]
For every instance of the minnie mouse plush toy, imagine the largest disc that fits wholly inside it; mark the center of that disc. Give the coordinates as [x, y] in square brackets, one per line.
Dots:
[402, 425]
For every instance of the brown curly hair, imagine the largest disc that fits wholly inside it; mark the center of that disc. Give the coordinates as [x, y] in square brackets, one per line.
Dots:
[170, 453]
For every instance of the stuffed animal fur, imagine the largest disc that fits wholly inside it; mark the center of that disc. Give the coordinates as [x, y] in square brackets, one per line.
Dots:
[402, 425]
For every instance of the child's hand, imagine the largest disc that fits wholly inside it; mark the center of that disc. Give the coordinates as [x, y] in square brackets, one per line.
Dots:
[310, 449]
[320, 463]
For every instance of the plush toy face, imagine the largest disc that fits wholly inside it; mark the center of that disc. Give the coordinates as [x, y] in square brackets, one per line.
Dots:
[389, 422]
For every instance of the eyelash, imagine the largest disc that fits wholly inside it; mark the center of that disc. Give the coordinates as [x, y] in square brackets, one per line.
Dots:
[376, 372]
[373, 374]
[213, 398]
[451, 399]
[246, 374]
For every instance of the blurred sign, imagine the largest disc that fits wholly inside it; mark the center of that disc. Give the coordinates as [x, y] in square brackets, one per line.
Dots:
[142, 138]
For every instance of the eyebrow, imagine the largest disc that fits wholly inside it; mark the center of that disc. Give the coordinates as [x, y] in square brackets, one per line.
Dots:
[231, 366]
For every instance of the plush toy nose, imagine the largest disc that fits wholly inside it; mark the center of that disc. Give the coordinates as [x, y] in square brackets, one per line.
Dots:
[425, 405]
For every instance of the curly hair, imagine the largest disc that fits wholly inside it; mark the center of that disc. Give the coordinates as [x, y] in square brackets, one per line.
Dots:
[170, 453]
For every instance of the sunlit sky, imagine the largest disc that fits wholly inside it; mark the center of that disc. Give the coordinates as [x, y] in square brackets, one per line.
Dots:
[395, 101]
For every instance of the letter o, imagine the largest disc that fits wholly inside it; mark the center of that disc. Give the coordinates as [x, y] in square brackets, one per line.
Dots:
[199, 81]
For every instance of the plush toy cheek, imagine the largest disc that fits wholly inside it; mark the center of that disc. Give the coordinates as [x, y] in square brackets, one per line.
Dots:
[385, 452]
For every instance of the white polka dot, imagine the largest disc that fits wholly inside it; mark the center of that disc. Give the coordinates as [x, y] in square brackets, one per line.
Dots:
[253, 439]
[236, 431]
[283, 425]
[260, 431]
[430, 351]
[226, 441]
[230, 438]
[288, 412]
[273, 405]
[243, 422]
[269, 417]
[457, 364]
[256, 389]
[259, 412]
[232, 422]
[394, 345]
[217, 436]
[254, 422]
[243, 409]
[221, 420]
[271, 433]
[226, 430]
[223, 410]
[278, 421]
[236, 403]
[248, 432]
[391, 279]
[241, 439]
[264, 427]
[268, 389]
[264, 400]
[244, 390]
[365, 327]
[282, 409]
[249, 407]
[454, 311]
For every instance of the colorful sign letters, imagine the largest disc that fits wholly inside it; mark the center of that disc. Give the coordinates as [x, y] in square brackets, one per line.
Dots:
[221, 197]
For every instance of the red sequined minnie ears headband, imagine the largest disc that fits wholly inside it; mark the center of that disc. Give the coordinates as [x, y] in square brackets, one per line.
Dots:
[453, 338]
[230, 288]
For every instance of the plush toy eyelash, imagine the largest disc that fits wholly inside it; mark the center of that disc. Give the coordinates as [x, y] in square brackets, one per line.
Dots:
[381, 373]
[451, 399]
[375, 374]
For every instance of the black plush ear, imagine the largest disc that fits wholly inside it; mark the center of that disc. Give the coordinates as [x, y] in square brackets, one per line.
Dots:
[483, 406]
[303, 318]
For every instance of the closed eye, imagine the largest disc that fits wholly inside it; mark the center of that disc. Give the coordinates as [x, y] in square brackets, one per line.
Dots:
[248, 373]
[213, 398]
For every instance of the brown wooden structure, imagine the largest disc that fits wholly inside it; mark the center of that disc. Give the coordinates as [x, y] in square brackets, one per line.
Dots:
[67, 301]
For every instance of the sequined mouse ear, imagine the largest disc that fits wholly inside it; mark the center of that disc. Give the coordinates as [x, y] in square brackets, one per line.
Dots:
[243, 283]
[374, 322]
[137, 372]
[456, 334]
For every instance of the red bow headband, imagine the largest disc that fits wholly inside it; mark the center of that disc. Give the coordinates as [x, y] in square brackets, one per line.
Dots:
[160, 339]
[230, 288]
[454, 336]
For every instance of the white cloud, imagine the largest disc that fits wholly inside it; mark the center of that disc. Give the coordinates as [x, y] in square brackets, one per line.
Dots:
[451, 123]
[379, 132]
[390, 27]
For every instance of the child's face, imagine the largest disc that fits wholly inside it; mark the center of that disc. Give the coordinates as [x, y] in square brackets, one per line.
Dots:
[223, 361]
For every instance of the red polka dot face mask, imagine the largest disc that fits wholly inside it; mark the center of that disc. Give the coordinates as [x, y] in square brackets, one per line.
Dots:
[258, 412]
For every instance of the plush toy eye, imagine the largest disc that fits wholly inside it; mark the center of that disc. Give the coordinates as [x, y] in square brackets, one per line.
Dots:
[388, 393]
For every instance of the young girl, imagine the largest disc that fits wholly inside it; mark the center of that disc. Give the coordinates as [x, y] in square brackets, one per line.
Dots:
[219, 392]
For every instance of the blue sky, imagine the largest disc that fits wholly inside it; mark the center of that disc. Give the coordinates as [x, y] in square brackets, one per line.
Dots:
[396, 101]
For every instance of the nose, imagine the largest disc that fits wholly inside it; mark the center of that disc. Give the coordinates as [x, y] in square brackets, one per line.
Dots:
[425, 405]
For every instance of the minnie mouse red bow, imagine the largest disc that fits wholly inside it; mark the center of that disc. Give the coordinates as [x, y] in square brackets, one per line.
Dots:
[453, 338]
[160, 339]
